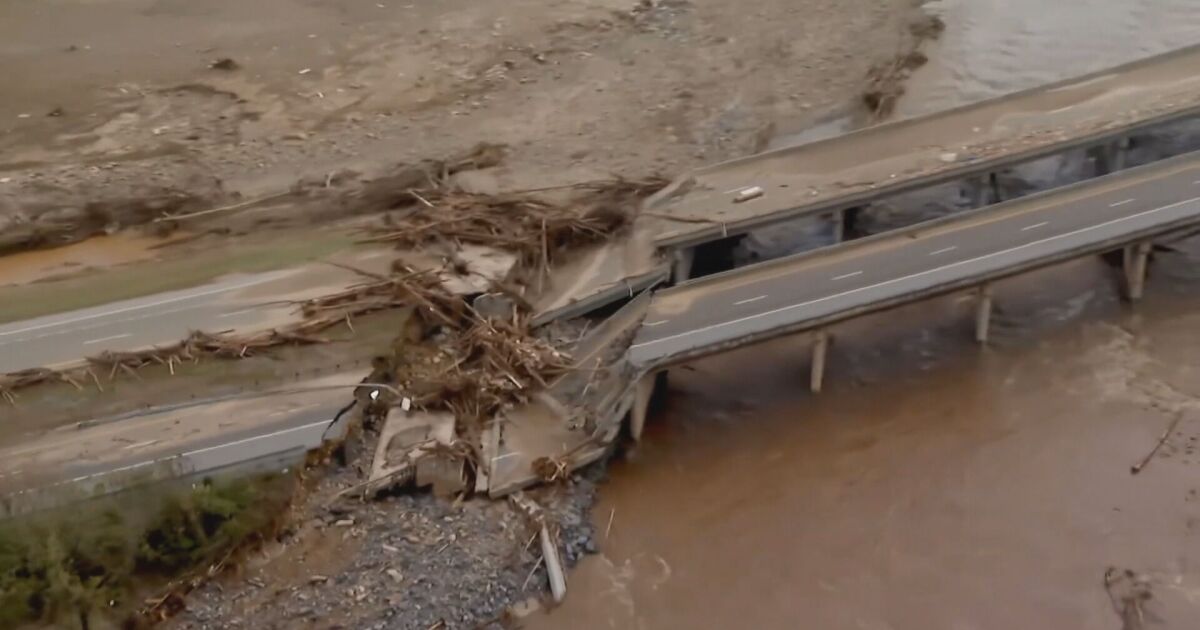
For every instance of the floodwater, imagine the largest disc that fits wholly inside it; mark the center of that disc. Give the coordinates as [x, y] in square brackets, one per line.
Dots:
[935, 484]
[94, 253]
[992, 47]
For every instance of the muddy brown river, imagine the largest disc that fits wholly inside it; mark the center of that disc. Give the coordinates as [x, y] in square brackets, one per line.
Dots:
[935, 484]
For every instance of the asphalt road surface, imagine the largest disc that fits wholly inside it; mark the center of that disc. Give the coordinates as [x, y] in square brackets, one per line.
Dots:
[187, 440]
[246, 303]
[846, 170]
[748, 304]
[161, 318]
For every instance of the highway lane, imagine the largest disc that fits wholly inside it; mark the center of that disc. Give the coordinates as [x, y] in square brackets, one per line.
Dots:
[128, 324]
[817, 287]
[888, 159]
[175, 442]
[239, 302]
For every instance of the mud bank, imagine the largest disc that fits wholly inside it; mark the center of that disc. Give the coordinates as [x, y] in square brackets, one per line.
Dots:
[124, 111]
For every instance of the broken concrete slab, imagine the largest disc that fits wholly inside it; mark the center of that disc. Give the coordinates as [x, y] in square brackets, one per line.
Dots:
[405, 442]
[576, 420]
[494, 306]
[464, 270]
[599, 275]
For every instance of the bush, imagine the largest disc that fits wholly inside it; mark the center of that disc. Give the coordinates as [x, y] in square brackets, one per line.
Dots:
[67, 568]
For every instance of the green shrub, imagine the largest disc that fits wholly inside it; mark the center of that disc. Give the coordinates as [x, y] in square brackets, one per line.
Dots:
[68, 566]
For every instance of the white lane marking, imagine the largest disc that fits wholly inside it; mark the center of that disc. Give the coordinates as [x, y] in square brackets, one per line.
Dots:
[236, 313]
[1035, 226]
[944, 250]
[141, 444]
[94, 326]
[138, 307]
[657, 323]
[753, 299]
[919, 274]
[1121, 203]
[103, 339]
[848, 275]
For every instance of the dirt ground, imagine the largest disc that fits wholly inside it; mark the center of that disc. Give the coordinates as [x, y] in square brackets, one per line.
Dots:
[120, 110]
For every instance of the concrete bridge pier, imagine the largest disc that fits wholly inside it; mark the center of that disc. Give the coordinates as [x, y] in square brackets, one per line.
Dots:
[1118, 153]
[839, 225]
[983, 313]
[820, 350]
[1111, 157]
[1136, 259]
[644, 392]
[681, 269]
[978, 189]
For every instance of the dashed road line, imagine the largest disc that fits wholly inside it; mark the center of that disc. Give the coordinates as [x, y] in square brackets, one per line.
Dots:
[110, 338]
[236, 313]
[926, 272]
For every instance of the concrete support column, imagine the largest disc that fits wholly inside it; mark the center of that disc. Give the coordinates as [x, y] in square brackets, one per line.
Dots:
[1119, 150]
[839, 226]
[983, 313]
[1111, 157]
[977, 188]
[643, 391]
[1099, 158]
[820, 349]
[682, 269]
[1137, 257]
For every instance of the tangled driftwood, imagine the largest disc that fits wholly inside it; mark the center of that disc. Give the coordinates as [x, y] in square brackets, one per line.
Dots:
[526, 223]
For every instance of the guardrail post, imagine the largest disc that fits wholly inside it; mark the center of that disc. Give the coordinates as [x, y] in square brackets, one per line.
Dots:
[820, 349]
[1136, 258]
[839, 226]
[682, 269]
[983, 313]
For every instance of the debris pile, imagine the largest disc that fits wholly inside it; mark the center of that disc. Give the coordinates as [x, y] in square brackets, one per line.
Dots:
[13, 381]
[527, 223]
[196, 346]
[450, 356]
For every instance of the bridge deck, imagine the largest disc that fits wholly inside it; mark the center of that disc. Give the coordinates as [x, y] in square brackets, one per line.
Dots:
[833, 284]
[856, 168]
